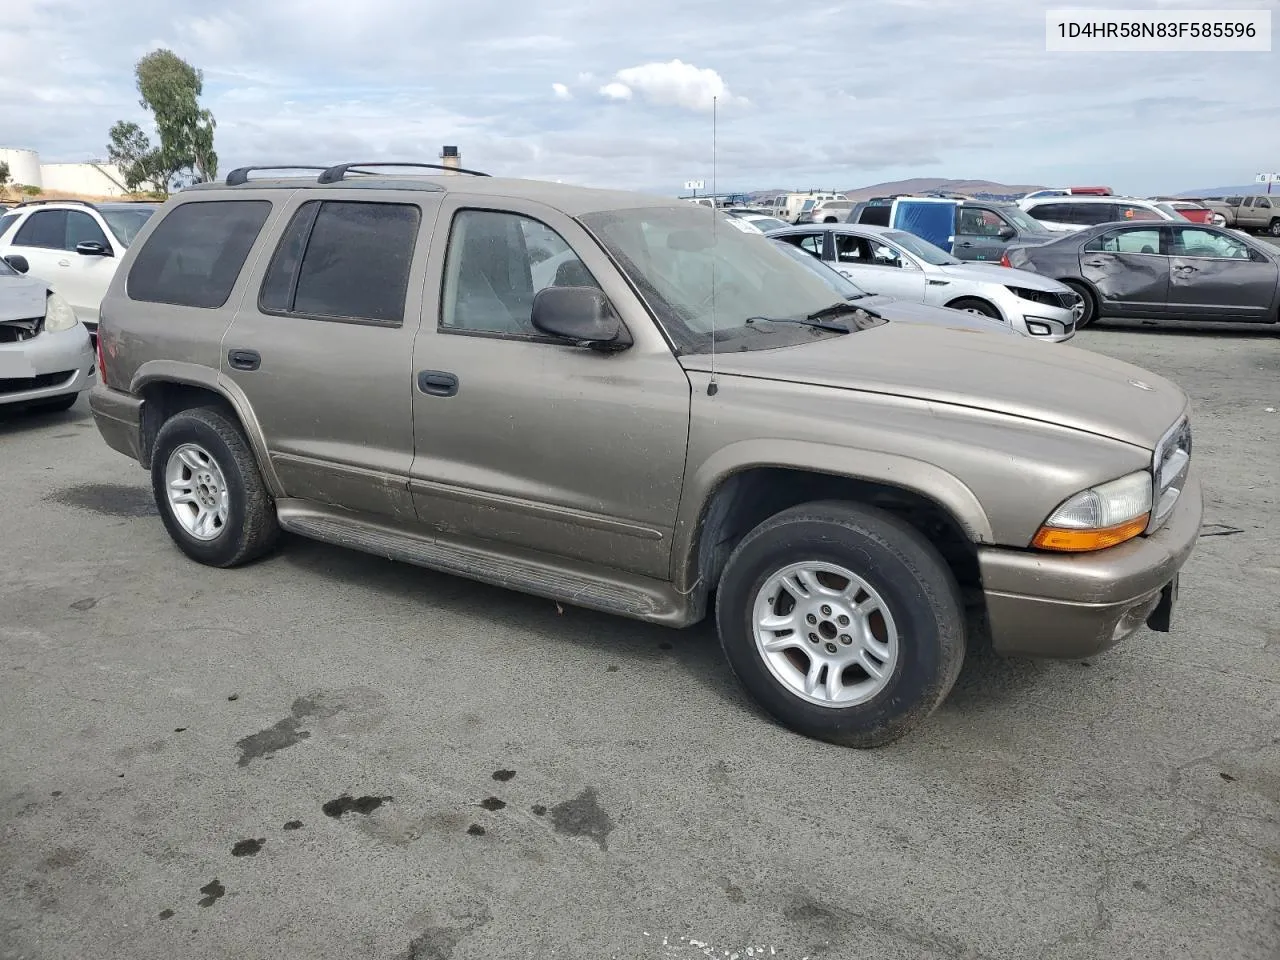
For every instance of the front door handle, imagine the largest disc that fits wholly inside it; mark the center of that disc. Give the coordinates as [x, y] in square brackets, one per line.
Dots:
[64, 263]
[437, 383]
[966, 244]
[1095, 263]
[244, 359]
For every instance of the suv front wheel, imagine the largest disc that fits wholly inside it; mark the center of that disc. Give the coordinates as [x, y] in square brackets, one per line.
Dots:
[842, 621]
[209, 491]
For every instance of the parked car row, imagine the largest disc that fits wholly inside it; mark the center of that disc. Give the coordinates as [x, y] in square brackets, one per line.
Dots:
[707, 423]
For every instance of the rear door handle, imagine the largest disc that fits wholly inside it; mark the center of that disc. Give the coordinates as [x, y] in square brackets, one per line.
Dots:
[244, 359]
[64, 263]
[1095, 263]
[437, 383]
[966, 244]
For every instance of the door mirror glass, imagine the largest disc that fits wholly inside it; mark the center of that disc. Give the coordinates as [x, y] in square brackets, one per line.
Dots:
[92, 248]
[581, 314]
[18, 262]
[1007, 233]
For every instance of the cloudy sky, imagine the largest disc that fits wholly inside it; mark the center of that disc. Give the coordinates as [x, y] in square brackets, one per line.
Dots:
[819, 94]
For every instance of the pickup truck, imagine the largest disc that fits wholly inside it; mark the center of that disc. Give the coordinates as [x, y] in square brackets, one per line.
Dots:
[1260, 212]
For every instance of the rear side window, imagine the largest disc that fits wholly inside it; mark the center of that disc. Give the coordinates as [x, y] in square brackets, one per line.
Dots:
[877, 215]
[46, 229]
[346, 260]
[7, 221]
[195, 254]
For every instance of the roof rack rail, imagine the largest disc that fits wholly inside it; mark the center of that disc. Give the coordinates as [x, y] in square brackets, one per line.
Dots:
[339, 173]
[37, 203]
[241, 174]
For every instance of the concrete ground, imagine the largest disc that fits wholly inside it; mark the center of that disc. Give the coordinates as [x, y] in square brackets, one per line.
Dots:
[330, 755]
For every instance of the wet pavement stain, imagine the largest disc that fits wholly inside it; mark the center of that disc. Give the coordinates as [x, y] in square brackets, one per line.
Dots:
[284, 733]
[293, 825]
[179, 729]
[583, 817]
[475, 830]
[438, 943]
[247, 848]
[111, 499]
[166, 914]
[88, 603]
[664, 646]
[345, 804]
[492, 803]
[539, 810]
[213, 892]
[611, 669]
[502, 776]
[734, 894]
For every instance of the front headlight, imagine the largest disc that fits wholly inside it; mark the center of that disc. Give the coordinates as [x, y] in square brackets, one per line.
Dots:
[58, 315]
[1035, 296]
[1099, 517]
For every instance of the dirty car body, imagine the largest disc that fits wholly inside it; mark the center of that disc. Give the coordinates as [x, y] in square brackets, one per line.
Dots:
[45, 357]
[700, 425]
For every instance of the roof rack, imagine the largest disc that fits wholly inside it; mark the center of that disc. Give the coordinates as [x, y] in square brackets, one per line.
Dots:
[339, 173]
[37, 203]
[241, 174]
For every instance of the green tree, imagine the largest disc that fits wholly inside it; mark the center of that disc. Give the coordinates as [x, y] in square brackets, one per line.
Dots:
[4, 175]
[130, 149]
[170, 88]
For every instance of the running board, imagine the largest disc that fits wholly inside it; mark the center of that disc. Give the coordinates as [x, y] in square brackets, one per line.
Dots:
[555, 578]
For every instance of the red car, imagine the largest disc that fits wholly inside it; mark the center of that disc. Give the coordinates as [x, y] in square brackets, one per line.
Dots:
[1192, 210]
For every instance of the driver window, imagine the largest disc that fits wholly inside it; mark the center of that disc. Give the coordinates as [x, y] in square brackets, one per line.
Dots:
[980, 223]
[886, 256]
[1127, 241]
[851, 249]
[496, 264]
[1193, 242]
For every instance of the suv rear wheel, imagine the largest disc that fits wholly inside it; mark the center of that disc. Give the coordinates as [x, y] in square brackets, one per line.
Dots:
[842, 621]
[209, 491]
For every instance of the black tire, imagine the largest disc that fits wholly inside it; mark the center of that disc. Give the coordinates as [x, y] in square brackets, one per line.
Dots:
[974, 305]
[57, 404]
[1274, 229]
[251, 529]
[1090, 304]
[900, 565]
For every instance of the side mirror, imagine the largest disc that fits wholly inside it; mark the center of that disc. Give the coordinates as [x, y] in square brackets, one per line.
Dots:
[581, 314]
[92, 248]
[1007, 232]
[18, 262]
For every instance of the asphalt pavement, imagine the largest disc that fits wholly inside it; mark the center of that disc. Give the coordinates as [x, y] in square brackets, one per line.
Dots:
[330, 755]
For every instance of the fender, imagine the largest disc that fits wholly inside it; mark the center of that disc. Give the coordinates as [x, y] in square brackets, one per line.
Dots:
[198, 375]
[917, 476]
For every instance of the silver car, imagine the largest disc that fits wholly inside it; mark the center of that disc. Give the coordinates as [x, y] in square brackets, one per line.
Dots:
[45, 356]
[903, 266]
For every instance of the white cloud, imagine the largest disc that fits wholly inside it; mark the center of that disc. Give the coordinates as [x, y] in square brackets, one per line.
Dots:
[561, 92]
[616, 91]
[677, 84]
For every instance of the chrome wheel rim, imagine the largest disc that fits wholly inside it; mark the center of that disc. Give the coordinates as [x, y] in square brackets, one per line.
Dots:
[825, 634]
[198, 495]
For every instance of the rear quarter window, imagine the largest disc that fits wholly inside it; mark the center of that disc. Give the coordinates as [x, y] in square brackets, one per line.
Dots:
[195, 254]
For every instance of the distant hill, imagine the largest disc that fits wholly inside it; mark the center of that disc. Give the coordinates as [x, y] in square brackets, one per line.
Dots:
[1209, 192]
[938, 185]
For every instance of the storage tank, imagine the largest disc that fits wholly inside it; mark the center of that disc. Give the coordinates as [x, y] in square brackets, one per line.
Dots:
[93, 178]
[24, 166]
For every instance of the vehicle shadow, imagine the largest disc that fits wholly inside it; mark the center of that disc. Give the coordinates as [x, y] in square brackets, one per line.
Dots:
[1178, 328]
[604, 641]
[15, 421]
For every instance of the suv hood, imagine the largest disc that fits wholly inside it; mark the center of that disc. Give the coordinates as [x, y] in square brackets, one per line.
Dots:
[1057, 383]
[21, 298]
[994, 273]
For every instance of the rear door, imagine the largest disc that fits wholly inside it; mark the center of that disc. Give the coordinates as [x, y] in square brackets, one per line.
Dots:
[1213, 276]
[978, 234]
[40, 238]
[322, 345]
[527, 441]
[1129, 271]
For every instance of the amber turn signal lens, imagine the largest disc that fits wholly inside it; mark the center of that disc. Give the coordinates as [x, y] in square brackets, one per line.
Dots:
[1082, 541]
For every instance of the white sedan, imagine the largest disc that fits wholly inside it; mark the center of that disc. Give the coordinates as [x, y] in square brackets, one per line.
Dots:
[901, 265]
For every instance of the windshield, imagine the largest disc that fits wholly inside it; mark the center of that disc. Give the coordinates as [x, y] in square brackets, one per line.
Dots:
[672, 255]
[923, 249]
[840, 284]
[126, 222]
[1019, 219]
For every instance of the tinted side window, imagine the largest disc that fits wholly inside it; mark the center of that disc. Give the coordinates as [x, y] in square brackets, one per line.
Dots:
[876, 216]
[497, 263]
[344, 259]
[1052, 212]
[195, 254]
[45, 228]
[7, 221]
[82, 227]
[1091, 214]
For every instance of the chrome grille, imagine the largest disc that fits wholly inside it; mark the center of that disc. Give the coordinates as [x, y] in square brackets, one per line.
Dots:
[1170, 465]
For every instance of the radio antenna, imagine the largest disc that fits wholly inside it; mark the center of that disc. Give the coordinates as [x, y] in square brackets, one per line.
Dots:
[713, 388]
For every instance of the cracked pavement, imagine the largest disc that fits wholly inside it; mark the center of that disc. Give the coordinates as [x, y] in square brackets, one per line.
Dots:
[328, 754]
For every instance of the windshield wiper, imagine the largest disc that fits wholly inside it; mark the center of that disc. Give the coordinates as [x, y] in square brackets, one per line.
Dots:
[838, 308]
[809, 321]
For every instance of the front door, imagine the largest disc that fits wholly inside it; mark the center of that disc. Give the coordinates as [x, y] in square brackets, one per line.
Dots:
[877, 267]
[323, 346]
[1129, 271]
[978, 234]
[528, 441]
[48, 238]
[1214, 276]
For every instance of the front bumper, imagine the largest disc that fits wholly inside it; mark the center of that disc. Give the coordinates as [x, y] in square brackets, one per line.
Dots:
[46, 367]
[1039, 321]
[118, 416]
[1070, 606]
